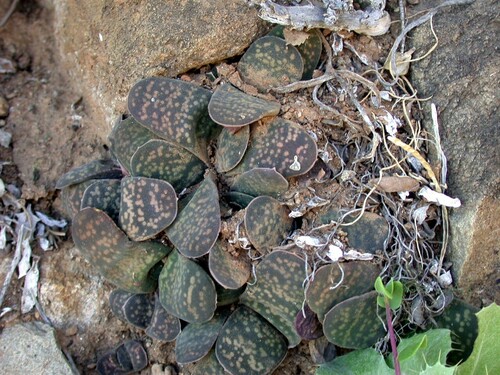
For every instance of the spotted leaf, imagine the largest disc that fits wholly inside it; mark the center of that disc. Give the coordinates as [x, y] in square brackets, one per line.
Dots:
[233, 108]
[269, 62]
[174, 110]
[163, 326]
[136, 309]
[260, 181]
[267, 223]
[126, 137]
[147, 207]
[72, 195]
[282, 145]
[336, 282]
[354, 323]
[230, 148]
[124, 263]
[310, 50]
[249, 345]
[96, 169]
[167, 161]
[230, 271]
[240, 200]
[197, 226]
[127, 358]
[104, 195]
[186, 291]
[277, 294]
[196, 339]
[460, 318]
[228, 296]
[208, 365]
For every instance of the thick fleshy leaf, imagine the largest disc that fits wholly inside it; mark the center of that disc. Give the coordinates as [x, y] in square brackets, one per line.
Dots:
[368, 234]
[233, 108]
[269, 62]
[228, 296]
[209, 365]
[277, 294]
[260, 181]
[310, 50]
[186, 290]
[197, 226]
[282, 145]
[322, 351]
[353, 323]
[136, 309]
[96, 169]
[267, 223]
[230, 271]
[126, 137]
[148, 206]
[72, 195]
[307, 324]
[124, 263]
[174, 110]
[104, 195]
[163, 326]
[167, 161]
[129, 357]
[239, 200]
[336, 282]
[196, 340]
[460, 318]
[230, 148]
[249, 345]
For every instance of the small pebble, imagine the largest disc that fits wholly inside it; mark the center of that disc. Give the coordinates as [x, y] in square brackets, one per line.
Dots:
[5, 138]
[4, 107]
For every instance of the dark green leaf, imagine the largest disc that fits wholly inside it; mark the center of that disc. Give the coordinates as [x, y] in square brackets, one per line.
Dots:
[136, 309]
[249, 345]
[230, 148]
[164, 326]
[104, 195]
[124, 263]
[186, 290]
[239, 200]
[230, 271]
[260, 181]
[209, 365]
[72, 195]
[129, 357]
[94, 170]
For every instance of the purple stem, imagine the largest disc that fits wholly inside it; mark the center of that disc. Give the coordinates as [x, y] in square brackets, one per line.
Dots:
[392, 337]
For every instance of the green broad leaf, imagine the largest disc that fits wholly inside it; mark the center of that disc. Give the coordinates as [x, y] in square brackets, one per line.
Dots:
[197, 226]
[336, 282]
[438, 369]
[175, 111]
[72, 195]
[129, 265]
[233, 108]
[397, 295]
[186, 291]
[417, 344]
[96, 169]
[247, 344]
[163, 326]
[196, 339]
[260, 181]
[485, 355]
[135, 309]
[422, 350]
[382, 289]
[359, 362]
[269, 62]
[147, 207]
[125, 138]
[167, 161]
[282, 145]
[277, 294]
[354, 323]
[231, 148]
[104, 195]
[267, 223]
[230, 271]
[381, 301]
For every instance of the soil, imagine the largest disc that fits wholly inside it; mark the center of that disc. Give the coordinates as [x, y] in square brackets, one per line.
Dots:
[48, 121]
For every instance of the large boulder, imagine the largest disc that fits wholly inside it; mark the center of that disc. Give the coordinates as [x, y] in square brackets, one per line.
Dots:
[106, 46]
[461, 75]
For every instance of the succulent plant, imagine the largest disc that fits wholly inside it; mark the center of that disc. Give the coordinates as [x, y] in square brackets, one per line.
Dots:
[127, 358]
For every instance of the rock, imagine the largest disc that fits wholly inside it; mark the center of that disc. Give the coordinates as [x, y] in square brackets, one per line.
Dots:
[461, 76]
[27, 348]
[107, 46]
[4, 107]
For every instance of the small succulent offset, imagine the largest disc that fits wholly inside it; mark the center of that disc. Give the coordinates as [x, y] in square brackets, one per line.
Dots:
[149, 222]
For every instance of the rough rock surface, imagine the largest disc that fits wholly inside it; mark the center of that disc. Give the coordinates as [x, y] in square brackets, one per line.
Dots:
[461, 75]
[36, 350]
[107, 45]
